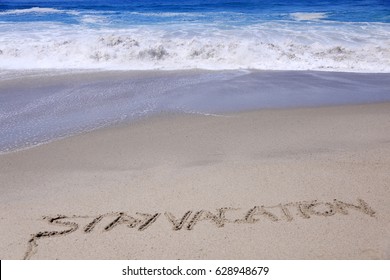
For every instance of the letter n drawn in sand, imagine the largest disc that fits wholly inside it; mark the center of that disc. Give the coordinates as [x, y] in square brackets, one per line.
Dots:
[362, 206]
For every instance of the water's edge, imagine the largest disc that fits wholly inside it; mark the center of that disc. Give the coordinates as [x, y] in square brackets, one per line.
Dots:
[38, 107]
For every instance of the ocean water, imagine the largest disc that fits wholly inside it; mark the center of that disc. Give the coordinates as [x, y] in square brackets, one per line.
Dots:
[330, 35]
[54, 56]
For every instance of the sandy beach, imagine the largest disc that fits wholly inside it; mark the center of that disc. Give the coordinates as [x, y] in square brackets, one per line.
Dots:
[195, 130]
[303, 183]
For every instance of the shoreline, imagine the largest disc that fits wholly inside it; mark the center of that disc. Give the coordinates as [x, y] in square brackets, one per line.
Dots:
[169, 115]
[58, 72]
[39, 109]
[204, 187]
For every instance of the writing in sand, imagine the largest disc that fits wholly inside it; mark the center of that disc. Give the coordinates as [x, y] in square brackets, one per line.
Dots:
[187, 220]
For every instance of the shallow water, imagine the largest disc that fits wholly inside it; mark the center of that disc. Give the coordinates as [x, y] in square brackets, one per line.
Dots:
[36, 109]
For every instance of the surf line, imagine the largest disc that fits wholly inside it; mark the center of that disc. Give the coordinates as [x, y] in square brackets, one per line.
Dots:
[220, 217]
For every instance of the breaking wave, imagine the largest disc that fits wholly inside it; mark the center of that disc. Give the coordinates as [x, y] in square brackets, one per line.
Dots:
[37, 10]
[308, 16]
[271, 46]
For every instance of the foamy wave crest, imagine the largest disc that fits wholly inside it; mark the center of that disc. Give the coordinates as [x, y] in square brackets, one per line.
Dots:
[308, 16]
[93, 19]
[36, 10]
[357, 48]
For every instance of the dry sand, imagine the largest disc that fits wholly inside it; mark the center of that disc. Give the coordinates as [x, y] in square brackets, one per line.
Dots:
[193, 187]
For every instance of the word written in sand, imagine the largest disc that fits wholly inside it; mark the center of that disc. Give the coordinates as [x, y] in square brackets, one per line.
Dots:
[189, 219]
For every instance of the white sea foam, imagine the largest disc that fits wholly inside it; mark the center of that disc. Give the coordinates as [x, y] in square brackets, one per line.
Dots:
[268, 46]
[308, 16]
[93, 19]
[37, 10]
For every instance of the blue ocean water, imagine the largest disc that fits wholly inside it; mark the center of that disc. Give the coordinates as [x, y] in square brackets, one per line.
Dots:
[244, 35]
[342, 35]
[244, 11]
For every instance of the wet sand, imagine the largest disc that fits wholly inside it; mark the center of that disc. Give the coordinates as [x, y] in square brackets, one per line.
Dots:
[37, 107]
[308, 183]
